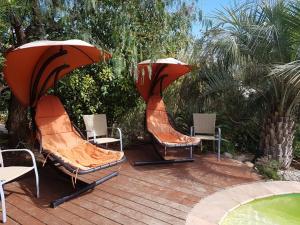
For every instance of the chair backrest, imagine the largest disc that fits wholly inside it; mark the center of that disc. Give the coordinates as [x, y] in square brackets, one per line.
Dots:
[95, 124]
[204, 123]
[54, 124]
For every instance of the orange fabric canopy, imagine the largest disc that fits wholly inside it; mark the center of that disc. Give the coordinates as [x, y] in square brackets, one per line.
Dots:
[163, 73]
[31, 69]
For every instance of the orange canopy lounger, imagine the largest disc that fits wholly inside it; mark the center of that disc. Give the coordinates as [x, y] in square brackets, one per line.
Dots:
[164, 72]
[30, 70]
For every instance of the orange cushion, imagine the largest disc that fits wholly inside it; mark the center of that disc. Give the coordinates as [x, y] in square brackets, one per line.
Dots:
[61, 139]
[158, 124]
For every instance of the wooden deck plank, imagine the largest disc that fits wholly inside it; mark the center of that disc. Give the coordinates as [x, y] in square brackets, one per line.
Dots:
[61, 213]
[10, 221]
[78, 214]
[126, 211]
[87, 214]
[36, 212]
[144, 202]
[141, 208]
[21, 216]
[108, 213]
[134, 197]
[137, 211]
[147, 191]
[157, 190]
[150, 193]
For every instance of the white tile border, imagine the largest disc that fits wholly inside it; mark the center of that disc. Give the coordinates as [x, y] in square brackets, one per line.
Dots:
[214, 208]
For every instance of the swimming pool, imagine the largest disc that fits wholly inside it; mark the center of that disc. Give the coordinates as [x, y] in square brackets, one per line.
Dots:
[275, 210]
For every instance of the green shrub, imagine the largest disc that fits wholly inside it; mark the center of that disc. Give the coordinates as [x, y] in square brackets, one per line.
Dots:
[79, 93]
[97, 89]
[228, 146]
[133, 123]
[268, 168]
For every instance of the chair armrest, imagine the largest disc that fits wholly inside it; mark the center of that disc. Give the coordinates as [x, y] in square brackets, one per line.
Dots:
[22, 150]
[218, 132]
[118, 129]
[192, 131]
[120, 136]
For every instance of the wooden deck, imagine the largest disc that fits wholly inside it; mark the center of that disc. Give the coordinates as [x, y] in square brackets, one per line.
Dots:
[139, 195]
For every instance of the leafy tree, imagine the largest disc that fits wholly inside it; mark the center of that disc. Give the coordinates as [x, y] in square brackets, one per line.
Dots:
[257, 43]
[16, 27]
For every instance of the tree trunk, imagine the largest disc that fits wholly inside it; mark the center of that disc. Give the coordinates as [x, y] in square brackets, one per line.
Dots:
[277, 139]
[17, 123]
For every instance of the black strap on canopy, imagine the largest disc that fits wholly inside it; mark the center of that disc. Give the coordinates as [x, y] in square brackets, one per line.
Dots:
[34, 85]
[55, 72]
[157, 79]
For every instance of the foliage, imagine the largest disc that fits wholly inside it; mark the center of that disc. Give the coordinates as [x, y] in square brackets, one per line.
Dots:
[80, 95]
[132, 31]
[248, 69]
[132, 123]
[268, 168]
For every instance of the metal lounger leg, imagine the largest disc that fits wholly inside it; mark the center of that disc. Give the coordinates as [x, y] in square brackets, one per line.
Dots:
[66, 198]
[144, 163]
[3, 203]
[36, 181]
[219, 143]
[191, 152]
[219, 149]
[162, 160]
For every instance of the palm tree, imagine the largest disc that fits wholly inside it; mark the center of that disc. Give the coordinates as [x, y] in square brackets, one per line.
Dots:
[258, 42]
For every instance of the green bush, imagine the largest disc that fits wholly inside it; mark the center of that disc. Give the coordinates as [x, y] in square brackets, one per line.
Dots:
[228, 146]
[268, 168]
[133, 123]
[97, 89]
[79, 93]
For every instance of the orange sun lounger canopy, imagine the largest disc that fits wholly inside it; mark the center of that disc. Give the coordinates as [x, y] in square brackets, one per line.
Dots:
[31, 69]
[155, 77]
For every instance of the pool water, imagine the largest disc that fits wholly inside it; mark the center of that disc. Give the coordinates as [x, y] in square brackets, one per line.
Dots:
[275, 210]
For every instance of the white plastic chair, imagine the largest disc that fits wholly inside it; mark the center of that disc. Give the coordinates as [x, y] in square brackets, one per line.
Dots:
[10, 173]
[204, 127]
[97, 130]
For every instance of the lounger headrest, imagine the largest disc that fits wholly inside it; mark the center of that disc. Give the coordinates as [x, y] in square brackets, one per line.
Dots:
[49, 106]
[51, 117]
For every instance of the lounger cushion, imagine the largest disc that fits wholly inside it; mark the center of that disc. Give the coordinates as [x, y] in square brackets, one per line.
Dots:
[158, 124]
[61, 139]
